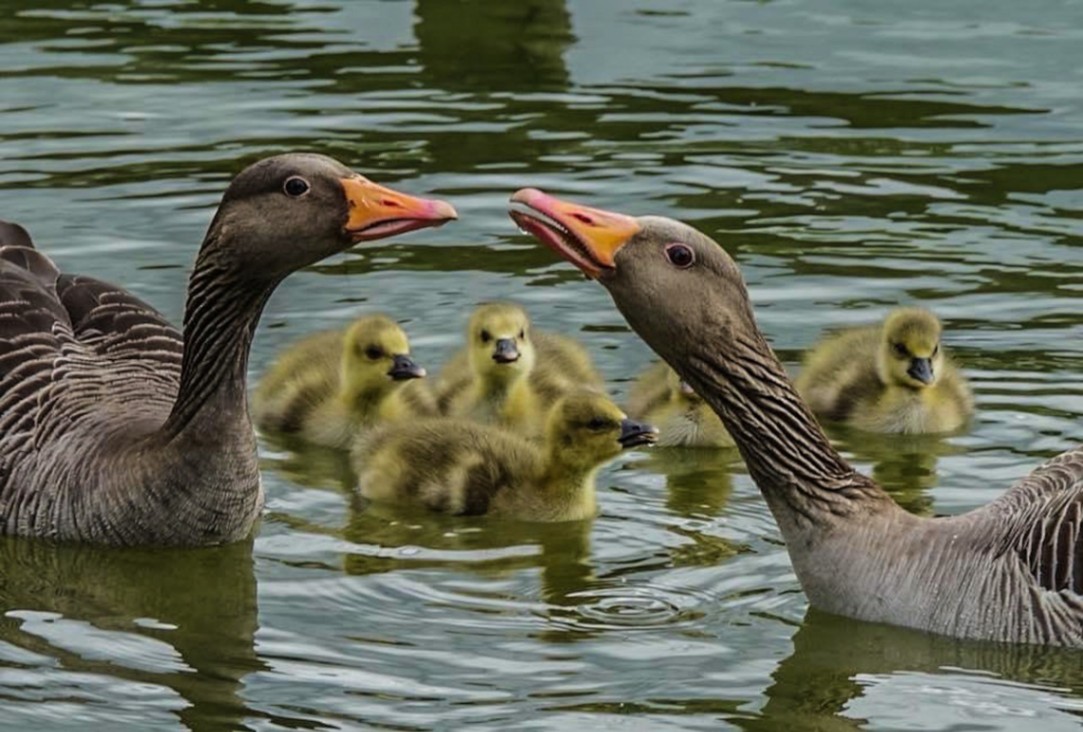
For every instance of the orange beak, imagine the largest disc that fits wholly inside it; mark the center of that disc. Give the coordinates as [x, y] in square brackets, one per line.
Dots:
[589, 238]
[376, 212]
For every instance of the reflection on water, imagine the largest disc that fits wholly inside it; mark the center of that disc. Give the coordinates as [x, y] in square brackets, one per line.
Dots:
[905, 465]
[851, 157]
[171, 632]
[835, 662]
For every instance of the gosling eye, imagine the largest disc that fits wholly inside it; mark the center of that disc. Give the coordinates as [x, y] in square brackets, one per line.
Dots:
[486, 336]
[522, 333]
[296, 186]
[374, 352]
[680, 255]
[900, 350]
[598, 423]
[936, 350]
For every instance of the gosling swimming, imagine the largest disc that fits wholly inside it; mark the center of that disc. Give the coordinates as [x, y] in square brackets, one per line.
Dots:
[460, 467]
[331, 386]
[510, 374]
[895, 377]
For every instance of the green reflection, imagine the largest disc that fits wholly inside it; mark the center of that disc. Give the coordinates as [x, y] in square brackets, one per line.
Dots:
[201, 603]
[480, 45]
[814, 686]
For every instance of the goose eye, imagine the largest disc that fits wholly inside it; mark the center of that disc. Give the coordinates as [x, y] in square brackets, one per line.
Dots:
[900, 350]
[598, 423]
[295, 186]
[486, 336]
[680, 255]
[374, 352]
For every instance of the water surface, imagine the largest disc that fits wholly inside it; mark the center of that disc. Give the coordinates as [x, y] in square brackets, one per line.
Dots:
[851, 156]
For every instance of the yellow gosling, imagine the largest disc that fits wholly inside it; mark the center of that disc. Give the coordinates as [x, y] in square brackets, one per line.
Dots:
[331, 386]
[460, 467]
[509, 374]
[660, 397]
[894, 377]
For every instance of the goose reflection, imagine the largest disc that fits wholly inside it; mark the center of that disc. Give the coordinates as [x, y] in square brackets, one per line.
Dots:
[817, 684]
[180, 619]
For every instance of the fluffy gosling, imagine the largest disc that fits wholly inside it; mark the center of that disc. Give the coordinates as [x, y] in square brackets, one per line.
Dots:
[460, 467]
[331, 386]
[894, 377]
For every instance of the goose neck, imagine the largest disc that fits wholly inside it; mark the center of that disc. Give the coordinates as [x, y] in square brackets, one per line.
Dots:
[221, 314]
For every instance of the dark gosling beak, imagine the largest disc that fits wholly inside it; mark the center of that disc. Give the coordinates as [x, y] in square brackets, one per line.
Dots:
[921, 369]
[634, 434]
[403, 367]
[506, 351]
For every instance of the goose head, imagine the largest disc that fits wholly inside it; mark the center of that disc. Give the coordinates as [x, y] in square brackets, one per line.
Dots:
[376, 356]
[910, 353]
[586, 429]
[288, 211]
[498, 338]
[677, 288]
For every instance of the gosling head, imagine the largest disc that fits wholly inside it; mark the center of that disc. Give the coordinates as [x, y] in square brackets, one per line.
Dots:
[376, 356]
[910, 353]
[586, 429]
[499, 342]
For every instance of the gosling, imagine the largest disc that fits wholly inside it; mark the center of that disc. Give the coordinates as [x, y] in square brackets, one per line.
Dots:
[893, 378]
[661, 397]
[332, 386]
[509, 374]
[460, 467]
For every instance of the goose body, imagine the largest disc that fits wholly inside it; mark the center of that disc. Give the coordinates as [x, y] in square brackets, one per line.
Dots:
[1009, 571]
[117, 429]
[509, 374]
[331, 386]
[894, 377]
[460, 467]
[660, 397]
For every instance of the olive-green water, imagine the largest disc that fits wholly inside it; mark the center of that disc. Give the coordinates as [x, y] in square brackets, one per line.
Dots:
[851, 156]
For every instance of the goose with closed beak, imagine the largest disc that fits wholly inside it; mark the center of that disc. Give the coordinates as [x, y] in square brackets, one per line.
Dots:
[1009, 571]
[117, 429]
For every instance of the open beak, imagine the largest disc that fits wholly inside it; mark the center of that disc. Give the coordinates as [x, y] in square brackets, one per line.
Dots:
[506, 351]
[403, 367]
[376, 212]
[921, 369]
[589, 238]
[634, 434]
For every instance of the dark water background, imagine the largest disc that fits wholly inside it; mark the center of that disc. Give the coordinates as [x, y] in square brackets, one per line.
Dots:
[852, 156]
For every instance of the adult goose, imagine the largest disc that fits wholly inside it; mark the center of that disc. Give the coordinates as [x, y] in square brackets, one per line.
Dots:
[1009, 571]
[115, 428]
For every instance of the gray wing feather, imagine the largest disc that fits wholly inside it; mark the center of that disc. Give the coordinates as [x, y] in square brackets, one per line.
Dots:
[117, 325]
[1043, 516]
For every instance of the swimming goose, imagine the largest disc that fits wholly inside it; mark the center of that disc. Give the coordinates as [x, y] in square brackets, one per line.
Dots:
[460, 467]
[115, 428]
[661, 397]
[510, 374]
[330, 386]
[1009, 571]
[894, 377]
